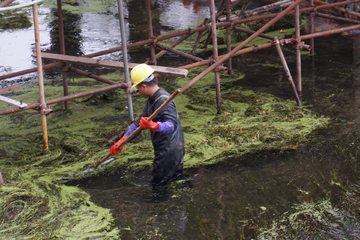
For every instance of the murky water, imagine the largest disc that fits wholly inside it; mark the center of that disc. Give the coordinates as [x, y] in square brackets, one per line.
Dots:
[239, 198]
[17, 45]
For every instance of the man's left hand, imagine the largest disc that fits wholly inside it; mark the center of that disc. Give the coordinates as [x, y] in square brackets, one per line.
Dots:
[145, 124]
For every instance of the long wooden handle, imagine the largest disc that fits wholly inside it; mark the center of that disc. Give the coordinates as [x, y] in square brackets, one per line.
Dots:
[152, 116]
[206, 71]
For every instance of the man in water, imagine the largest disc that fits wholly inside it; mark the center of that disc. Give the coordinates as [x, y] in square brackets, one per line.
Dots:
[166, 132]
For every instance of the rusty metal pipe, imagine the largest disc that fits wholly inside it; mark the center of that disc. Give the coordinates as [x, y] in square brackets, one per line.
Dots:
[287, 71]
[248, 31]
[337, 18]
[297, 47]
[329, 32]
[62, 50]
[309, 9]
[267, 8]
[189, 31]
[208, 38]
[151, 33]
[62, 99]
[196, 43]
[218, 14]
[251, 49]
[228, 35]
[6, 3]
[31, 70]
[215, 55]
[40, 76]
[312, 28]
[172, 45]
[198, 38]
[252, 37]
[260, 10]
[235, 3]
[221, 5]
[180, 53]
[125, 58]
[57, 64]
[90, 75]
[267, 45]
[343, 10]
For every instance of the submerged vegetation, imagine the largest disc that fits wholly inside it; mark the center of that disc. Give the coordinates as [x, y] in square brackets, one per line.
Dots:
[15, 19]
[35, 193]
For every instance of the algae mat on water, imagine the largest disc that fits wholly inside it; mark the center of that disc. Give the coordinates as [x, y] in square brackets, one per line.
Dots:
[36, 203]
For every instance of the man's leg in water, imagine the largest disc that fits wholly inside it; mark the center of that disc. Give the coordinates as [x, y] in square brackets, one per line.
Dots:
[179, 172]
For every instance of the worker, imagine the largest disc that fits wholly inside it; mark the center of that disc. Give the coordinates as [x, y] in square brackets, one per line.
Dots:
[166, 132]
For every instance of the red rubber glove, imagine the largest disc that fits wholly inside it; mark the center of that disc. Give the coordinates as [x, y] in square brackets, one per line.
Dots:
[145, 124]
[113, 150]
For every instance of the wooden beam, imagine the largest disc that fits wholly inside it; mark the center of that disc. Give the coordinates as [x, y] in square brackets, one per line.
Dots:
[108, 63]
[9, 89]
[19, 104]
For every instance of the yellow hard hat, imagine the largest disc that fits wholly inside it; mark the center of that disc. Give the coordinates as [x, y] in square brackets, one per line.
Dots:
[140, 72]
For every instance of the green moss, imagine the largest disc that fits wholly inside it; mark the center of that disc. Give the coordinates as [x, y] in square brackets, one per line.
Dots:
[37, 203]
[39, 209]
[14, 19]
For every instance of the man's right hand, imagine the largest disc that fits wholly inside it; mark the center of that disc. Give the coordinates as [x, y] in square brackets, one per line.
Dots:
[113, 150]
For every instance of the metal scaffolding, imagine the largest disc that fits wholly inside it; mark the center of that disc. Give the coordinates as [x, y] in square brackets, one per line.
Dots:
[220, 18]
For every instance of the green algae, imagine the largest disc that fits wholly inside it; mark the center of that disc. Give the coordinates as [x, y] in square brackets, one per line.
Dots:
[323, 219]
[14, 19]
[38, 209]
[35, 194]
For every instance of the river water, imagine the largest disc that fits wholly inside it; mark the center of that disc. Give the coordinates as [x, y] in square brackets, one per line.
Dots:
[242, 197]
[286, 190]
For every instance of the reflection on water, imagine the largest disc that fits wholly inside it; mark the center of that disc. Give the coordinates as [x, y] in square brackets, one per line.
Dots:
[17, 45]
[101, 31]
[72, 33]
[138, 20]
[183, 14]
[356, 54]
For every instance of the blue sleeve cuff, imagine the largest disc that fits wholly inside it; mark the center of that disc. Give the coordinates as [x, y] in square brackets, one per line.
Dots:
[131, 129]
[166, 127]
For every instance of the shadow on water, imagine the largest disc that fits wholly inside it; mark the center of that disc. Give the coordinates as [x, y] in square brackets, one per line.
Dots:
[243, 198]
[72, 37]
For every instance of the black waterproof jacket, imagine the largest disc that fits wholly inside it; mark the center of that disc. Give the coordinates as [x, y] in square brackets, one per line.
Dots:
[169, 148]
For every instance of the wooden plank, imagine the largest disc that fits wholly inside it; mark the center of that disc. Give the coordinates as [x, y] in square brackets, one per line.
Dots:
[13, 102]
[108, 63]
[9, 89]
